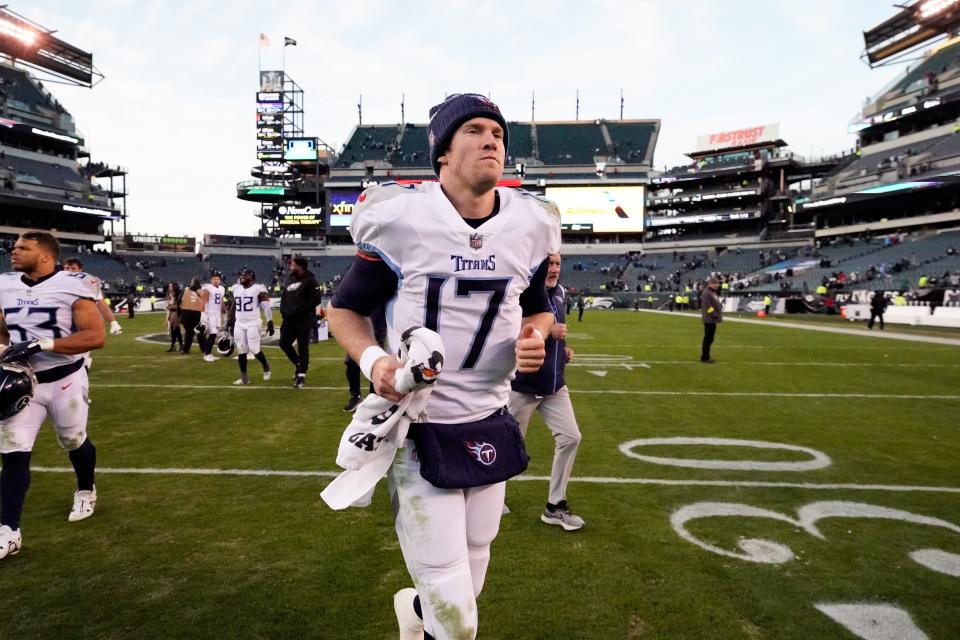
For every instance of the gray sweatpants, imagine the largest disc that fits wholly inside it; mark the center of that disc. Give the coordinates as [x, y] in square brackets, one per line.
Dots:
[557, 412]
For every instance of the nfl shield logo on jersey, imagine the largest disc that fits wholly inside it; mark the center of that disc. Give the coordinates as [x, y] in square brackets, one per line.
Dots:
[476, 241]
[482, 452]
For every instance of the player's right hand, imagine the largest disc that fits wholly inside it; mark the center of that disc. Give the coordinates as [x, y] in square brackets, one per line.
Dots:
[383, 376]
[20, 351]
[558, 331]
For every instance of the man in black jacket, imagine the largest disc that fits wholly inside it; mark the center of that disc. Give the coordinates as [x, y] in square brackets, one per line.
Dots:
[298, 307]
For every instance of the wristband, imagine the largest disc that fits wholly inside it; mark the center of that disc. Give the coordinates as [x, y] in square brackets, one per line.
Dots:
[45, 344]
[370, 355]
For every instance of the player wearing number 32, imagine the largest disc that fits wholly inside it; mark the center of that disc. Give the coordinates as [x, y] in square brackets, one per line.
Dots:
[50, 319]
[466, 259]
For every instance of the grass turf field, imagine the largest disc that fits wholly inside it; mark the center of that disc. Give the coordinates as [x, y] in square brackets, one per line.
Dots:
[172, 554]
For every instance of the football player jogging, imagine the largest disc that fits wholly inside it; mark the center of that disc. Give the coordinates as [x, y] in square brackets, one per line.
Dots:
[547, 391]
[249, 300]
[467, 260]
[212, 294]
[50, 319]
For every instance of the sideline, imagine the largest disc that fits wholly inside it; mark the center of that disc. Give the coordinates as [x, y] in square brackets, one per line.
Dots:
[886, 335]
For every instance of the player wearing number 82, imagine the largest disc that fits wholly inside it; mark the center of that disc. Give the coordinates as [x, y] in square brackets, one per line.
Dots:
[468, 260]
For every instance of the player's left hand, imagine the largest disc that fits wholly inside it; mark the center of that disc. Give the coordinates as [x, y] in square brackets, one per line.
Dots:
[270, 329]
[115, 328]
[558, 331]
[20, 351]
[569, 353]
[530, 350]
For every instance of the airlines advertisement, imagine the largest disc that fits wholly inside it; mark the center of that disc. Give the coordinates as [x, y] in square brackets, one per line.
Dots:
[599, 209]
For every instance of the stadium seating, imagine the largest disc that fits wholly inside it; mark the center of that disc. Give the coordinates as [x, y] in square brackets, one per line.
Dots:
[630, 140]
[369, 142]
[564, 144]
[414, 150]
[521, 141]
[327, 268]
[47, 174]
[229, 265]
[938, 63]
[21, 91]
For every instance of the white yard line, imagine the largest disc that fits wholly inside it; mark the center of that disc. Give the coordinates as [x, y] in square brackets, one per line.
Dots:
[814, 486]
[732, 394]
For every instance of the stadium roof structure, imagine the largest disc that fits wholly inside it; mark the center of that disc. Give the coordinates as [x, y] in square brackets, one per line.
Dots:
[914, 25]
[35, 46]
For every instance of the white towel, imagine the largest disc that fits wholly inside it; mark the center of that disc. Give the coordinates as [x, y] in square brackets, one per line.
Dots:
[379, 426]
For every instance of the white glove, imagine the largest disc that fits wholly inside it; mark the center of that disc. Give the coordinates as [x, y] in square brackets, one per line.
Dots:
[115, 328]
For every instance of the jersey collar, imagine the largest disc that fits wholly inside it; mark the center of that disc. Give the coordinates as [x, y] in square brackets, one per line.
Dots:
[32, 283]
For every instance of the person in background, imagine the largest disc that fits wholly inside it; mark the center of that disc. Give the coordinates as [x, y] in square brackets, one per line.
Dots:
[711, 312]
[173, 317]
[298, 308]
[191, 306]
[878, 304]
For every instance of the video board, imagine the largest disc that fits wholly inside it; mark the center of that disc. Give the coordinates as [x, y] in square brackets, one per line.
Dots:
[600, 209]
[341, 206]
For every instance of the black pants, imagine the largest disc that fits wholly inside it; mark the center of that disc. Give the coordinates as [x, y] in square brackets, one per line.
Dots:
[353, 377]
[709, 331]
[297, 331]
[874, 315]
[189, 319]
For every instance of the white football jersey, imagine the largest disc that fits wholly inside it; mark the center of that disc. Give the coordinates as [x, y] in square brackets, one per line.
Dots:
[43, 309]
[246, 302]
[215, 301]
[462, 282]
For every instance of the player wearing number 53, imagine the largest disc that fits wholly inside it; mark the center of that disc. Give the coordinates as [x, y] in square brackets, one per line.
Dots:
[466, 259]
[50, 319]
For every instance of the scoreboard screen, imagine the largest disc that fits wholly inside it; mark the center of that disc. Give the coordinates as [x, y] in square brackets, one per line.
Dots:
[301, 149]
[600, 209]
[341, 207]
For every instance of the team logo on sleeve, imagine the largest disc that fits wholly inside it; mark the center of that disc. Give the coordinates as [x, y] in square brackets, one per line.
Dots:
[476, 241]
[482, 452]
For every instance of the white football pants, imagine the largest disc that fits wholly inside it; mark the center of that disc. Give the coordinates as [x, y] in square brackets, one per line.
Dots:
[65, 401]
[445, 536]
[247, 338]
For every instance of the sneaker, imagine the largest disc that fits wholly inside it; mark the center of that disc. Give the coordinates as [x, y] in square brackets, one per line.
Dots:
[299, 381]
[562, 516]
[266, 374]
[84, 503]
[243, 380]
[209, 358]
[352, 404]
[708, 361]
[10, 542]
[411, 626]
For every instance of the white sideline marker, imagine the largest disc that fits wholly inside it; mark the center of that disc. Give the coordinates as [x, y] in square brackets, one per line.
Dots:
[756, 484]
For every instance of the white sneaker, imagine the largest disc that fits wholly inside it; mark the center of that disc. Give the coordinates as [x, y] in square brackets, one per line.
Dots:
[242, 380]
[84, 504]
[209, 358]
[10, 541]
[411, 626]
[266, 374]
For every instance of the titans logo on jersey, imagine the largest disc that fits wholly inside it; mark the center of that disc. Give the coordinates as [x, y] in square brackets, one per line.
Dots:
[43, 309]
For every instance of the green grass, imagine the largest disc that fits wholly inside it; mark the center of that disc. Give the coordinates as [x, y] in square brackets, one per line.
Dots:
[202, 556]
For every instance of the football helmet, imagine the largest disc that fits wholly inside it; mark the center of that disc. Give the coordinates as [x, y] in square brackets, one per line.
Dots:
[225, 345]
[17, 384]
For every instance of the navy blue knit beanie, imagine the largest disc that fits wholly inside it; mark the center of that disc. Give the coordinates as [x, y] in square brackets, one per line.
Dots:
[447, 116]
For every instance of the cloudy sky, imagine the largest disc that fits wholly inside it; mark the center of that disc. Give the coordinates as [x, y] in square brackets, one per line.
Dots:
[177, 105]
